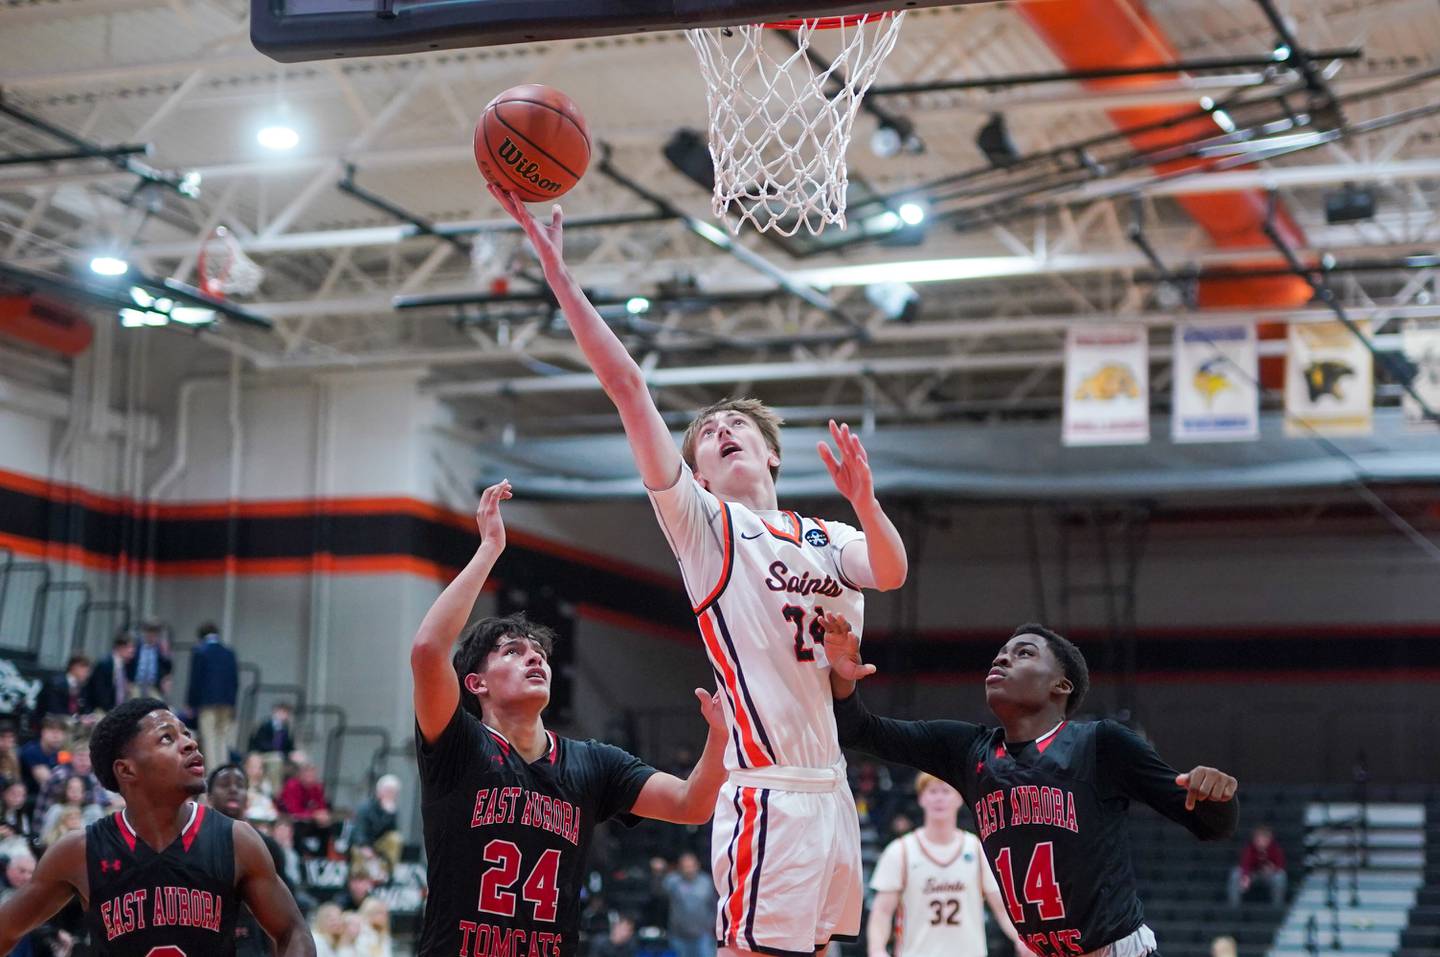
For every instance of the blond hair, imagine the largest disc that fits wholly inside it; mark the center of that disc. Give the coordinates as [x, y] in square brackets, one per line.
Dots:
[765, 418]
[923, 780]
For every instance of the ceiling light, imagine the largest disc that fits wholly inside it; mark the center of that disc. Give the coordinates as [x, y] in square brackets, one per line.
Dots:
[192, 315]
[1281, 52]
[141, 297]
[636, 305]
[132, 318]
[109, 266]
[1222, 120]
[278, 138]
[913, 214]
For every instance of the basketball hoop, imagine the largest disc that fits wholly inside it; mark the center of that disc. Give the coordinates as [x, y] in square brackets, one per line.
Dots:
[779, 127]
[224, 268]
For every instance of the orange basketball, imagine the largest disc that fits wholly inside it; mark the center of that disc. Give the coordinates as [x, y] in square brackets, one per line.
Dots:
[532, 141]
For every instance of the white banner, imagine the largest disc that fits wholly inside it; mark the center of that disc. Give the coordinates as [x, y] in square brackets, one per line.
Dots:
[1107, 386]
[1216, 396]
[1420, 341]
[1329, 380]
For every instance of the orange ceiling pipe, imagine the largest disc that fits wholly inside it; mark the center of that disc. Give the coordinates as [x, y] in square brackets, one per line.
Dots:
[1096, 34]
[45, 323]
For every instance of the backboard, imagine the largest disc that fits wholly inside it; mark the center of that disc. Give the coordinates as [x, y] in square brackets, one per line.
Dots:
[294, 31]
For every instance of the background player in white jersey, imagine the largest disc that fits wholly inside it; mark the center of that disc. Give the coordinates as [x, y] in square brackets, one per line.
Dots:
[934, 878]
[785, 850]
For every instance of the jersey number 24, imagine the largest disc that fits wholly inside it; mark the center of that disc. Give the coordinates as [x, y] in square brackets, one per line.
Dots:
[541, 888]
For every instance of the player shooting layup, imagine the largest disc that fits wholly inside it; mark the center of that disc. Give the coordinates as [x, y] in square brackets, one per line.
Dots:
[785, 849]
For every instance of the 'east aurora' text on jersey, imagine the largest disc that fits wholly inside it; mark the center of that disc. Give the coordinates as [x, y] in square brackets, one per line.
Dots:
[507, 840]
[1050, 812]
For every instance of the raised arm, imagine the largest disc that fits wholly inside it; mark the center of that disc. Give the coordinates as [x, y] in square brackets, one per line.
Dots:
[881, 562]
[267, 896]
[655, 453]
[691, 801]
[58, 877]
[437, 690]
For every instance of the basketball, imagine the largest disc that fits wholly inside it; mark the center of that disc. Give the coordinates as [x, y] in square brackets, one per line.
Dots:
[532, 141]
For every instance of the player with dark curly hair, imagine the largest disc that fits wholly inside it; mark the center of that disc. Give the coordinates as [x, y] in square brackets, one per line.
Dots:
[508, 807]
[164, 875]
[1049, 793]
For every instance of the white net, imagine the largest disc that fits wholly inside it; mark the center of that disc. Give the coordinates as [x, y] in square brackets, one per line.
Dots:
[780, 124]
[224, 268]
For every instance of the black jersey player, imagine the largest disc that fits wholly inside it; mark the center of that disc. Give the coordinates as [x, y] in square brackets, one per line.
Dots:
[1049, 794]
[164, 877]
[508, 807]
[228, 792]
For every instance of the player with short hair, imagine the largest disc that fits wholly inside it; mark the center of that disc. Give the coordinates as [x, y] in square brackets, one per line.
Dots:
[164, 877]
[933, 879]
[1049, 794]
[785, 848]
[509, 807]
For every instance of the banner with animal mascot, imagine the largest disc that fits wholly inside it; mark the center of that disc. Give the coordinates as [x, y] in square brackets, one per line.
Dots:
[1329, 380]
[1107, 386]
[1215, 386]
[1420, 339]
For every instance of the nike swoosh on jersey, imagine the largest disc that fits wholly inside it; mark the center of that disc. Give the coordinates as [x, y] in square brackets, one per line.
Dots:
[750, 537]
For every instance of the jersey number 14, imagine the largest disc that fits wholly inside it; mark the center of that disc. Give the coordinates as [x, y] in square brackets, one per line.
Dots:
[1039, 886]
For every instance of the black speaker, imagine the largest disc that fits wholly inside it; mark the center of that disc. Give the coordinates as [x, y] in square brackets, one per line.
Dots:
[689, 152]
[1349, 204]
[994, 141]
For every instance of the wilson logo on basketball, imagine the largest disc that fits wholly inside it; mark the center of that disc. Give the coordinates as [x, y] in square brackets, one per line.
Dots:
[526, 169]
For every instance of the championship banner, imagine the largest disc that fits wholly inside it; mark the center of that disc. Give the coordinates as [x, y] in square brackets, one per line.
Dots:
[1420, 342]
[1107, 386]
[1329, 380]
[1216, 392]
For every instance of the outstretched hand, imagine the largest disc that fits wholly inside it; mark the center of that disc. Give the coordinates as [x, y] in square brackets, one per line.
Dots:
[1206, 784]
[487, 516]
[851, 471]
[711, 709]
[548, 240]
[842, 648]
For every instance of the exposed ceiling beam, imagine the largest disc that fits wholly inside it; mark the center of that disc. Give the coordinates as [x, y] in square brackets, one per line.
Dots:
[813, 369]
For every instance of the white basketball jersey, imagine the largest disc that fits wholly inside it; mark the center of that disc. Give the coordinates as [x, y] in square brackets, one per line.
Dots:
[758, 582]
[941, 912]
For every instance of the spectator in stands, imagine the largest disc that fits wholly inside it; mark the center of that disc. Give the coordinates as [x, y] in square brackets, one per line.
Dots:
[1224, 947]
[17, 823]
[283, 831]
[77, 767]
[39, 758]
[261, 806]
[74, 796]
[149, 668]
[274, 736]
[1261, 862]
[303, 798]
[375, 838]
[66, 694]
[67, 818]
[19, 866]
[620, 942]
[9, 752]
[109, 681]
[214, 688]
[358, 888]
[375, 939]
[329, 930]
[692, 908]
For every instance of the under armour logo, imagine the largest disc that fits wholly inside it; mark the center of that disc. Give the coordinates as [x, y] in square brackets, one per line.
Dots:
[979, 766]
[497, 759]
[108, 866]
